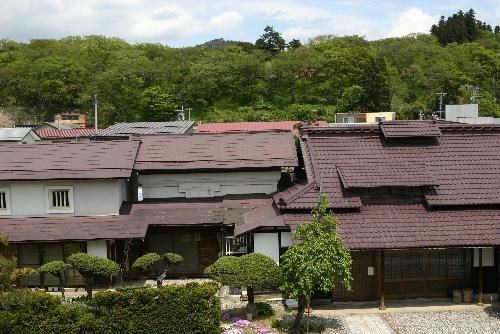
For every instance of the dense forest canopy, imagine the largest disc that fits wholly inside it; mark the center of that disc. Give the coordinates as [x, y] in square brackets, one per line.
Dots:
[271, 79]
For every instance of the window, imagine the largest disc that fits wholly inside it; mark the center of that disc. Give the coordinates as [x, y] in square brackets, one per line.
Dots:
[379, 119]
[59, 199]
[70, 117]
[348, 120]
[4, 201]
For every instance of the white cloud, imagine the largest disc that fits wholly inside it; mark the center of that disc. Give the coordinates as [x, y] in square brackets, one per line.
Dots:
[412, 21]
[133, 20]
[300, 32]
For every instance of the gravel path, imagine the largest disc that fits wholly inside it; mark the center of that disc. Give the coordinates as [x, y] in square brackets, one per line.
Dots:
[368, 323]
[481, 322]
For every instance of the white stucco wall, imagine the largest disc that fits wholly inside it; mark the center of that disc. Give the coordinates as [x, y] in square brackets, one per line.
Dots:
[286, 239]
[97, 247]
[28, 198]
[267, 244]
[194, 185]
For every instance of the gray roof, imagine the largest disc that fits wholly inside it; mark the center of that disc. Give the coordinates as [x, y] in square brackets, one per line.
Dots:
[15, 134]
[146, 128]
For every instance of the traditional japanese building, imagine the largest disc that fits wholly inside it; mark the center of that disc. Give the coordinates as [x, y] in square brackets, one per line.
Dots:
[417, 203]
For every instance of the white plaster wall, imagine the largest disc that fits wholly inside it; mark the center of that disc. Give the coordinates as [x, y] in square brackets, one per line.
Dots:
[194, 185]
[286, 239]
[30, 139]
[27, 198]
[97, 247]
[267, 244]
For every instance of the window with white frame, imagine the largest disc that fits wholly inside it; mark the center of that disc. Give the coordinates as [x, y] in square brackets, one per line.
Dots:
[4, 201]
[59, 199]
[348, 120]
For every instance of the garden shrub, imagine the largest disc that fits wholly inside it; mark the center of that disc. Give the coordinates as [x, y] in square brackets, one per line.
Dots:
[23, 311]
[286, 325]
[191, 309]
[264, 309]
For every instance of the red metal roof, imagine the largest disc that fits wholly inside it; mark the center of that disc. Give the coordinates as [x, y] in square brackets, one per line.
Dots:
[72, 228]
[94, 160]
[463, 164]
[65, 133]
[252, 126]
[412, 226]
[217, 151]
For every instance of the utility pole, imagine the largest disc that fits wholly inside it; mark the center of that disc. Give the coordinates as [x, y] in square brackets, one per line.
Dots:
[182, 115]
[494, 90]
[475, 95]
[441, 96]
[95, 111]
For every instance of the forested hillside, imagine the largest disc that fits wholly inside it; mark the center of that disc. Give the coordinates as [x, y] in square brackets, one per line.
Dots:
[267, 80]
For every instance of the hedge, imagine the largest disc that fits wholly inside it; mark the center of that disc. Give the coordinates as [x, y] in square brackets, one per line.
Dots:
[191, 309]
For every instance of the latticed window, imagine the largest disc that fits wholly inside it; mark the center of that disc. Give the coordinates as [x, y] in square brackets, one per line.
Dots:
[3, 200]
[60, 199]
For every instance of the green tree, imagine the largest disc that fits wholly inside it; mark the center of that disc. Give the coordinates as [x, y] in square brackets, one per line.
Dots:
[294, 44]
[249, 270]
[157, 105]
[9, 273]
[92, 267]
[318, 262]
[271, 41]
[350, 100]
[56, 268]
[151, 263]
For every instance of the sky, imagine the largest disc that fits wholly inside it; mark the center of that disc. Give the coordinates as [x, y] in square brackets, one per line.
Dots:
[179, 23]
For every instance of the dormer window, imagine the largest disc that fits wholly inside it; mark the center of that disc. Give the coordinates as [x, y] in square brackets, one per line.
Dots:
[59, 199]
[4, 202]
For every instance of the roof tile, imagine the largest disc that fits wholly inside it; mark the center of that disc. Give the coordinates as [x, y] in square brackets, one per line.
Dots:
[94, 160]
[217, 151]
[412, 226]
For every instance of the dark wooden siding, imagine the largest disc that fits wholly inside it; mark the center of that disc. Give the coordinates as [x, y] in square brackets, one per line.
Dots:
[363, 285]
[426, 273]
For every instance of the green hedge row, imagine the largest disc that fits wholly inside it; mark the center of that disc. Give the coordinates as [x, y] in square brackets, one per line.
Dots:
[193, 308]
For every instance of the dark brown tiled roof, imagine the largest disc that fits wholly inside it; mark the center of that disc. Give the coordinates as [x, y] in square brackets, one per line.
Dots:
[409, 129]
[267, 216]
[146, 128]
[366, 175]
[217, 151]
[94, 160]
[72, 228]
[412, 226]
[200, 213]
[464, 163]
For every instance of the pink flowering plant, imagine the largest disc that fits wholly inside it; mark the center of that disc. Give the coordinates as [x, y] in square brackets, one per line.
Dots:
[235, 325]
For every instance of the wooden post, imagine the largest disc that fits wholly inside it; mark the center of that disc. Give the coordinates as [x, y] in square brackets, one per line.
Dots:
[480, 302]
[380, 270]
